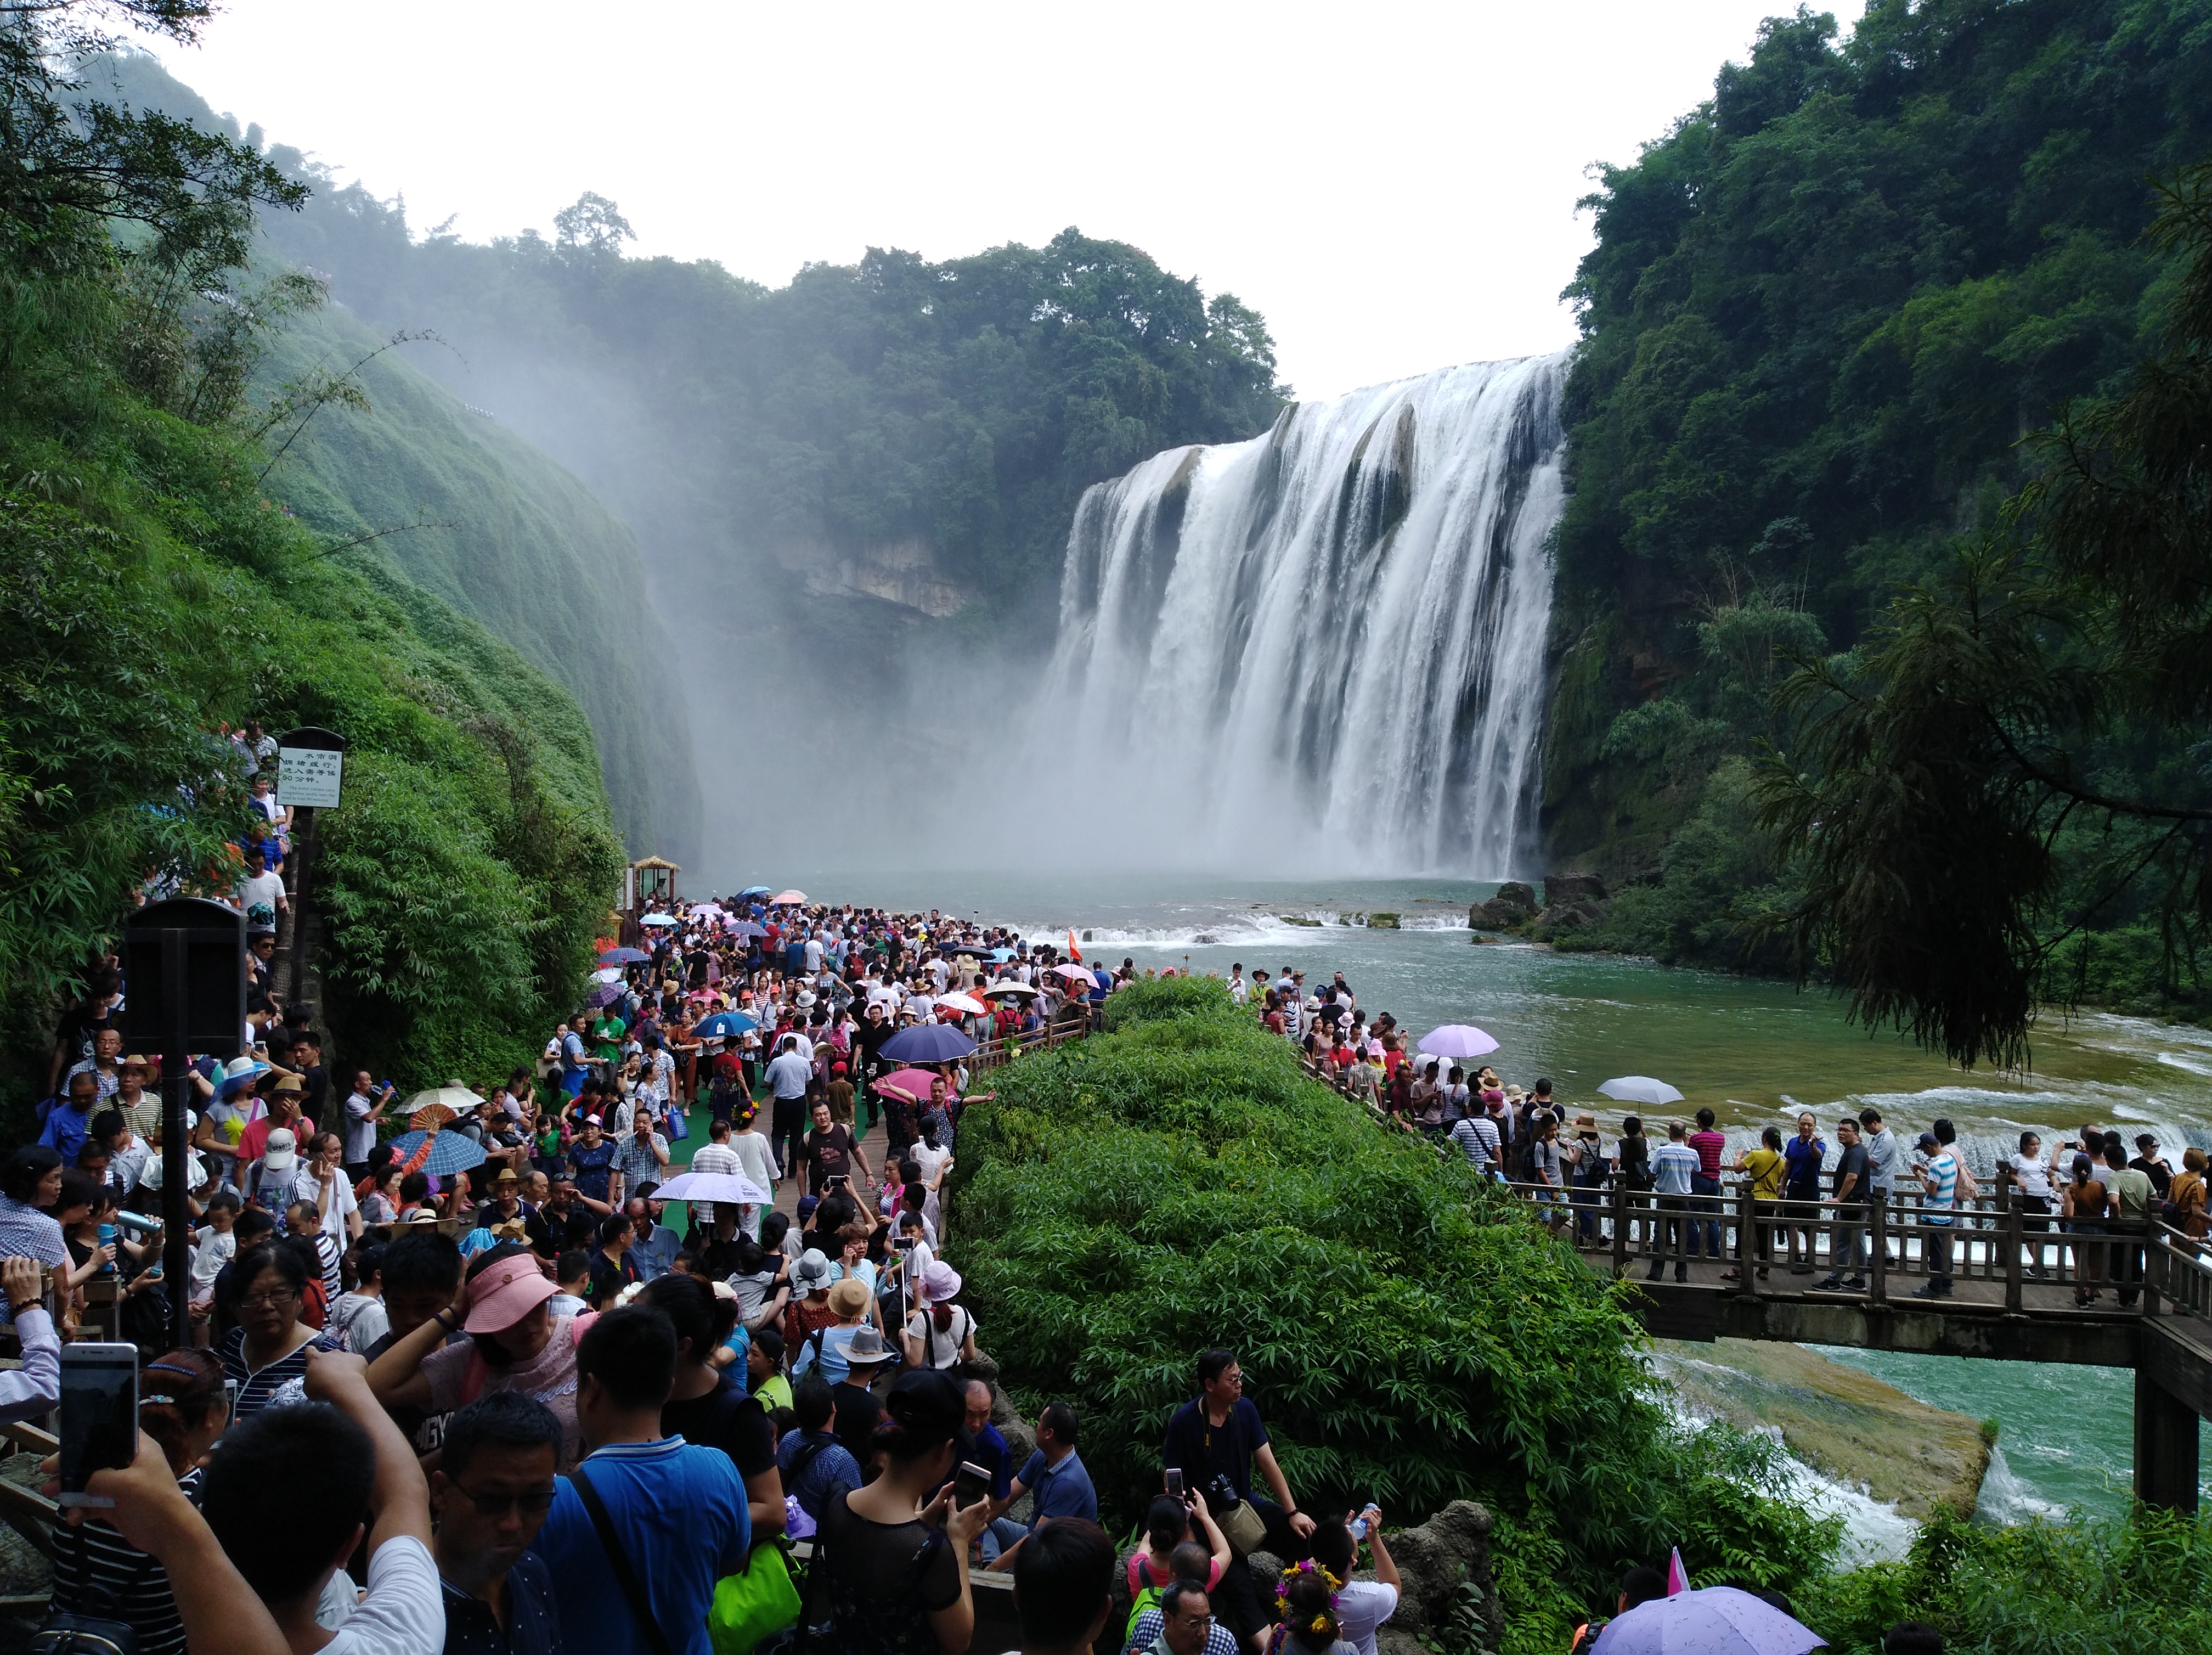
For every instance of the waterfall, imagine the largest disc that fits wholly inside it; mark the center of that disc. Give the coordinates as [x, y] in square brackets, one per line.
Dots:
[1322, 649]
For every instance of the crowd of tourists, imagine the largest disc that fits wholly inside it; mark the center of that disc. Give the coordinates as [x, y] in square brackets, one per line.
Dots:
[524, 1403]
[2086, 1201]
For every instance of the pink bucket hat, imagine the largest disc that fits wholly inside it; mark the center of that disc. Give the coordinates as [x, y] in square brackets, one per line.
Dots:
[505, 1293]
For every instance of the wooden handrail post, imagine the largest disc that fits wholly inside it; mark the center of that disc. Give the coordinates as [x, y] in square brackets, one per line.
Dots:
[1747, 1243]
[1879, 1264]
[1619, 1228]
[2012, 1243]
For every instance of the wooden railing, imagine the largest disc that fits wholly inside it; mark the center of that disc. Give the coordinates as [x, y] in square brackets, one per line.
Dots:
[1993, 1241]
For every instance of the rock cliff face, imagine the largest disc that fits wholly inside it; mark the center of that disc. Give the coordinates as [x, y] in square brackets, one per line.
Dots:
[902, 573]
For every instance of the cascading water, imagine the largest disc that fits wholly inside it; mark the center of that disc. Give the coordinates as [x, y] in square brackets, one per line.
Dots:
[1323, 647]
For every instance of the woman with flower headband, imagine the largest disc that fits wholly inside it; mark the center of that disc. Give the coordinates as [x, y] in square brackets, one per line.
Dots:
[1305, 1614]
[182, 1407]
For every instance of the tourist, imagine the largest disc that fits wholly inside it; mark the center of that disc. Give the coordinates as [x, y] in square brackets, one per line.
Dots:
[331, 1471]
[825, 1347]
[814, 1465]
[640, 1530]
[182, 1407]
[706, 1404]
[2184, 1205]
[513, 1344]
[939, 1334]
[1308, 1623]
[1186, 1622]
[1939, 1183]
[653, 1245]
[1056, 1479]
[1477, 1138]
[830, 1154]
[989, 1449]
[1588, 1172]
[2025, 1171]
[356, 1317]
[1764, 1167]
[1674, 1167]
[714, 1156]
[1062, 1586]
[789, 1074]
[1847, 1241]
[2149, 1162]
[1802, 1156]
[1362, 1606]
[890, 1565]
[1216, 1440]
[809, 1307]
[612, 1268]
[494, 1485]
[35, 1387]
[1706, 1183]
[271, 1343]
[2133, 1194]
[1640, 1585]
[641, 1159]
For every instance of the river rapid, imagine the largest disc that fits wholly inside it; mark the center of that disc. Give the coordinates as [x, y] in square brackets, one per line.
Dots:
[1755, 1051]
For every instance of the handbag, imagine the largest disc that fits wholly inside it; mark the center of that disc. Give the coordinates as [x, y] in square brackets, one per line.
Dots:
[678, 1127]
[71, 1632]
[1244, 1527]
[750, 1606]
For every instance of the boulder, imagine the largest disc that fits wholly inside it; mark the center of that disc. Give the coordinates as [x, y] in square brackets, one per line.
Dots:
[1434, 1560]
[1573, 888]
[1514, 905]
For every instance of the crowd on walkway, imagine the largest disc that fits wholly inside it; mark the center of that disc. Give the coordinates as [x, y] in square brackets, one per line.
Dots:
[2086, 1201]
[524, 1403]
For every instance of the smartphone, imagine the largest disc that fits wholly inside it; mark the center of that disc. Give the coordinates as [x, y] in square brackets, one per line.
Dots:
[100, 1416]
[970, 1483]
[230, 1402]
[1175, 1480]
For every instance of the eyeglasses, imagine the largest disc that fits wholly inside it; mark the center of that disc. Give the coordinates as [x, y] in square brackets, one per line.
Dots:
[269, 1301]
[536, 1503]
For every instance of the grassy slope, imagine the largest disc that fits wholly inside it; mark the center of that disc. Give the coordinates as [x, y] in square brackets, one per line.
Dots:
[513, 541]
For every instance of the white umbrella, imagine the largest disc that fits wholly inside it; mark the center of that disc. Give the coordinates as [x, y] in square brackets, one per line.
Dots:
[960, 1002]
[712, 1187]
[458, 1098]
[1009, 987]
[1640, 1089]
[656, 919]
[1457, 1040]
[608, 974]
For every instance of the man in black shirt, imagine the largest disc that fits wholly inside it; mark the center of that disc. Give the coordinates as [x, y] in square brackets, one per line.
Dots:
[420, 1273]
[1847, 1245]
[562, 1223]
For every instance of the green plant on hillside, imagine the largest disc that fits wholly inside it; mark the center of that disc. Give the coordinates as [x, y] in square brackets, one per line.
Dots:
[149, 591]
[1822, 312]
[1179, 1182]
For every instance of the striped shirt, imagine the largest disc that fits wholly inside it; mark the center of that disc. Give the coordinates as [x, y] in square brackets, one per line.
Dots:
[256, 1386]
[94, 1555]
[1943, 1171]
[1477, 1136]
[1671, 1165]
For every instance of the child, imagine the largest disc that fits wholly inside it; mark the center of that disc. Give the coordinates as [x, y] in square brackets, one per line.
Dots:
[213, 1248]
[358, 1317]
[572, 1276]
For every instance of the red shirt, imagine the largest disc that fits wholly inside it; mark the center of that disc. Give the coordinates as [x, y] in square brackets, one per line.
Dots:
[1710, 1145]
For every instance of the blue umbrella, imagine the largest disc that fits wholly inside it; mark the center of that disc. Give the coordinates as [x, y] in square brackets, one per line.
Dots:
[746, 929]
[755, 891]
[724, 1025]
[929, 1043]
[624, 957]
[997, 954]
[453, 1153]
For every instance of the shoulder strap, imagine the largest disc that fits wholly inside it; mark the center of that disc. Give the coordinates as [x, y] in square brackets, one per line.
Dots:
[625, 1576]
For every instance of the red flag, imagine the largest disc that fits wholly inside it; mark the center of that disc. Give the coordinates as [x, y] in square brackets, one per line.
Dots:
[1073, 953]
[1678, 1577]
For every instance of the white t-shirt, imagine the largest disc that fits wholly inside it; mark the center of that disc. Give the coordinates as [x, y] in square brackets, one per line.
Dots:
[308, 1187]
[1361, 1607]
[212, 1250]
[2034, 1178]
[260, 891]
[402, 1612]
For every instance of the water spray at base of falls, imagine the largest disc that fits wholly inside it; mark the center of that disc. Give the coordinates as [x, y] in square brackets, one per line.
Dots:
[1323, 648]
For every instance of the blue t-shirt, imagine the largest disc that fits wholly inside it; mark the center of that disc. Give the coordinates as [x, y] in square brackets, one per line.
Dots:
[834, 1366]
[679, 1512]
[829, 1466]
[1061, 1490]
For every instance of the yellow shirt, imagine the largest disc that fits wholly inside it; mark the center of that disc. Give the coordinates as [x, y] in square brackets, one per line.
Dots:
[1765, 1167]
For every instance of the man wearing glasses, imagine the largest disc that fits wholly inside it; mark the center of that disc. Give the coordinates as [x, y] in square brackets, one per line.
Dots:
[491, 1492]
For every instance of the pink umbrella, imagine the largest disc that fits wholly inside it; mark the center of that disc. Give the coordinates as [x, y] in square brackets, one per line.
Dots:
[913, 1085]
[788, 897]
[1077, 973]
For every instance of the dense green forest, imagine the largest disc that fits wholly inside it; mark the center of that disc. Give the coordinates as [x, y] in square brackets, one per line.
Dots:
[1824, 317]
[152, 591]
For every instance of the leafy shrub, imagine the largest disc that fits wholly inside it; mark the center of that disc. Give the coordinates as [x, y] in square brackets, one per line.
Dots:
[1178, 1182]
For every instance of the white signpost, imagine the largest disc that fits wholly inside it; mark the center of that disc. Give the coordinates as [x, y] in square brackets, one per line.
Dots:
[308, 776]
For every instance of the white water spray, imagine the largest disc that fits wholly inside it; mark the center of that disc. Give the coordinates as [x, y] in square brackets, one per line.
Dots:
[1323, 647]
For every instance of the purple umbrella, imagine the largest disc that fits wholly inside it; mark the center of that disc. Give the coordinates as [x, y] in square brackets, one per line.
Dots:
[603, 995]
[1457, 1040]
[1715, 1621]
[624, 957]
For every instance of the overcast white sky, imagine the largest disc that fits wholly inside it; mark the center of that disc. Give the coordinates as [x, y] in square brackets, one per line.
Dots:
[1392, 184]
